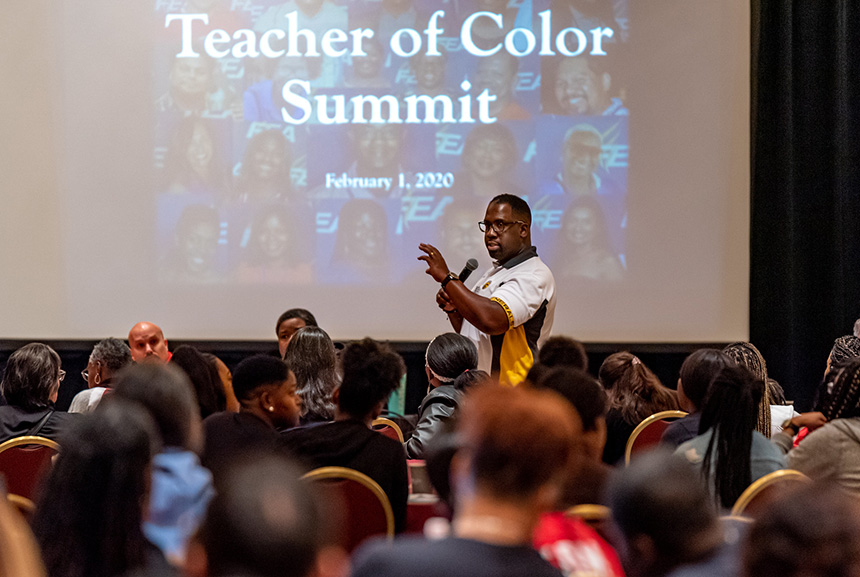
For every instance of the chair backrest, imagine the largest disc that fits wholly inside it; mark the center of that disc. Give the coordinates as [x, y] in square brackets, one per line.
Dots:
[23, 505]
[21, 556]
[25, 461]
[359, 500]
[648, 432]
[388, 428]
[765, 489]
[589, 512]
[595, 516]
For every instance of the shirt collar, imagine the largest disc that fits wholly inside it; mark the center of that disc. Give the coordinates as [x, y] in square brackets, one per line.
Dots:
[520, 258]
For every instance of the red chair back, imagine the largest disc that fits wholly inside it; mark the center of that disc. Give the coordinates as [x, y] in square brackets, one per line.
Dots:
[357, 501]
[388, 428]
[648, 433]
[24, 462]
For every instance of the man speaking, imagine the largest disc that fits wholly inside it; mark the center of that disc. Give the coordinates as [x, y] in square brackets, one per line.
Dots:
[509, 312]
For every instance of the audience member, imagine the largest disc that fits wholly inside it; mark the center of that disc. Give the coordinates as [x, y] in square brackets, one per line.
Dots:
[204, 378]
[147, 343]
[226, 379]
[561, 351]
[264, 522]
[697, 372]
[635, 393]
[312, 358]
[371, 372]
[831, 452]
[748, 356]
[812, 532]
[181, 487]
[288, 323]
[89, 519]
[729, 451]
[448, 356]
[266, 390]
[567, 542]
[30, 386]
[843, 349]
[504, 477]
[588, 478]
[667, 522]
[108, 358]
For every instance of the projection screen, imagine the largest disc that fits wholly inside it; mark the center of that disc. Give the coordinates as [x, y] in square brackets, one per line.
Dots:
[207, 164]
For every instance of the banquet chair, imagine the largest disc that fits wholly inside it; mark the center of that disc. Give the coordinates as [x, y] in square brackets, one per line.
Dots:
[388, 428]
[765, 489]
[647, 433]
[24, 462]
[361, 504]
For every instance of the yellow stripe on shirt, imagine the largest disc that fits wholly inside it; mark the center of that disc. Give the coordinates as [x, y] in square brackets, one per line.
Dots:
[516, 357]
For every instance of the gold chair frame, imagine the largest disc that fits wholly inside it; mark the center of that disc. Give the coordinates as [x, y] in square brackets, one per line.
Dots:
[628, 450]
[589, 512]
[323, 473]
[382, 421]
[22, 504]
[29, 440]
[761, 484]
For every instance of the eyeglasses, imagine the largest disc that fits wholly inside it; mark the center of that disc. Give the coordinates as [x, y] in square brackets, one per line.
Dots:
[498, 226]
[62, 375]
[86, 375]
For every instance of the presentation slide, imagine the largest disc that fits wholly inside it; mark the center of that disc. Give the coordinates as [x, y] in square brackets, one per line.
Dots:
[220, 161]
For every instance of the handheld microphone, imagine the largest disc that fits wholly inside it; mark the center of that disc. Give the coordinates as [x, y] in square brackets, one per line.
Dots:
[471, 265]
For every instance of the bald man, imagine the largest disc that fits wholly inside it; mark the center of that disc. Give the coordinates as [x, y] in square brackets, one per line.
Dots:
[147, 343]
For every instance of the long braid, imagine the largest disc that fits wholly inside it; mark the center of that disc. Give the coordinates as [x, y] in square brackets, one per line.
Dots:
[842, 396]
[748, 356]
[730, 412]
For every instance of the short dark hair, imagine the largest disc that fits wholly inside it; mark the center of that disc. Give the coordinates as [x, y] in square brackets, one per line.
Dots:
[561, 351]
[371, 372]
[812, 531]
[113, 353]
[31, 376]
[167, 394]
[581, 389]
[698, 370]
[450, 354]
[659, 495]
[519, 207]
[263, 521]
[304, 314]
[512, 450]
[258, 372]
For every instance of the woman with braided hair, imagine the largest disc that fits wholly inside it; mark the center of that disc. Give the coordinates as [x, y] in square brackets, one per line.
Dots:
[635, 393]
[832, 452]
[748, 356]
[448, 356]
[730, 451]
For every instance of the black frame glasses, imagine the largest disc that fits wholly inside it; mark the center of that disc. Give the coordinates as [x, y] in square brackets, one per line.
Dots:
[498, 226]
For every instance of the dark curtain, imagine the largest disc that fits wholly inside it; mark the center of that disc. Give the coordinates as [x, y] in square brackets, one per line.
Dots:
[805, 229]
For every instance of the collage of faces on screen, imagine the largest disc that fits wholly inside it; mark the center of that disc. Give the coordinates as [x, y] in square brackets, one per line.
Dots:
[246, 196]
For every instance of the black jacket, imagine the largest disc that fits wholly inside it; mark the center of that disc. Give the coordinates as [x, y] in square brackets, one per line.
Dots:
[352, 444]
[435, 411]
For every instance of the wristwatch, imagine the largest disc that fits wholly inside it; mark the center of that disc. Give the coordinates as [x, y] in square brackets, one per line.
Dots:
[787, 424]
[448, 278]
